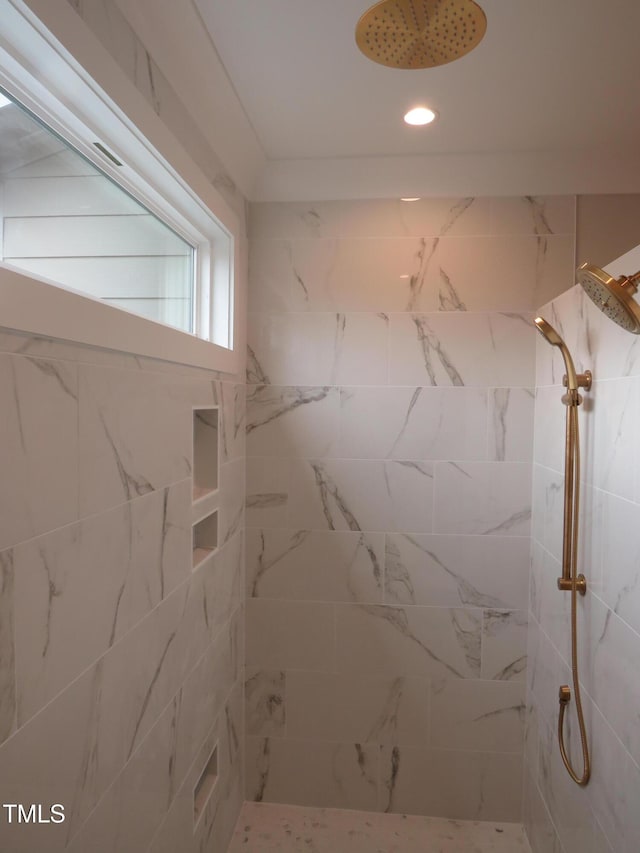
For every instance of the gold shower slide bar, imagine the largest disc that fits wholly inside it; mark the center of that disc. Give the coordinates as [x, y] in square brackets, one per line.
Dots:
[571, 581]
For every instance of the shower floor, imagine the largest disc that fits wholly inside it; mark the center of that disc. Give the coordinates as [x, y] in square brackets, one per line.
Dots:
[267, 827]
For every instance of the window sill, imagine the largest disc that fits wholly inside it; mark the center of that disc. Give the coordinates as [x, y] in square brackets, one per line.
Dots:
[45, 309]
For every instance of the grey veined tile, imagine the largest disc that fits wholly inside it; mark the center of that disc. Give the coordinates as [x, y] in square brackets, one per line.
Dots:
[39, 448]
[350, 494]
[320, 565]
[431, 642]
[454, 570]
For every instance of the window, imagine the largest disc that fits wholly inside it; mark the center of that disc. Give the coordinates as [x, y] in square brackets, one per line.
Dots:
[104, 214]
[64, 219]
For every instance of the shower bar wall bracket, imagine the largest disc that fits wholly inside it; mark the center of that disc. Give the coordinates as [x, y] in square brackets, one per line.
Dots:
[584, 380]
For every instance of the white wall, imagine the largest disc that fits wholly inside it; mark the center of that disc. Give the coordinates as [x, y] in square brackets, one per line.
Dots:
[120, 666]
[389, 446]
[603, 817]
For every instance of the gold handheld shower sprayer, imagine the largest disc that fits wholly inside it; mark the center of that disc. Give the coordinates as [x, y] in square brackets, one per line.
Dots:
[570, 580]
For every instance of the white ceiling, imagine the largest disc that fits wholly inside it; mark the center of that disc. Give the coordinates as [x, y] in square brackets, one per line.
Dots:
[549, 97]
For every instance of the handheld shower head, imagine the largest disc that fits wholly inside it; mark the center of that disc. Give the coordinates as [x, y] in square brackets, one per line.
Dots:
[613, 296]
[548, 332]
[573, 380]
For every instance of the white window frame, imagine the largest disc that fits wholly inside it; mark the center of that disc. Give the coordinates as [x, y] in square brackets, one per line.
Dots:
[43, 75]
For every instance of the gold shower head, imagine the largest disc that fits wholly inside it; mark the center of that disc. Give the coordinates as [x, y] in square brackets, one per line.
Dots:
[613, 296]
[573, 380]
[420, 33]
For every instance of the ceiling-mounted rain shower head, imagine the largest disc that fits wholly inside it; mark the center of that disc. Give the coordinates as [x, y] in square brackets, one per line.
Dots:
[613, 296]
[420, 33]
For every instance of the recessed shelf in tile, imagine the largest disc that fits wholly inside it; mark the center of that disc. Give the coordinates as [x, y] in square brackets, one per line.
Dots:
[205, 784]
[205, 451]
[205, 538]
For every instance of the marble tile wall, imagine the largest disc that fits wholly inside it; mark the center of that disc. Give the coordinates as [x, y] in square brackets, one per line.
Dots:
[120, 666]
[389, 450]
[603, 817]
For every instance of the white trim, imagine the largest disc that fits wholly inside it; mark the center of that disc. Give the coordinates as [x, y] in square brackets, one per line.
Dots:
[33, 306]
[449, 175]
[42, 73]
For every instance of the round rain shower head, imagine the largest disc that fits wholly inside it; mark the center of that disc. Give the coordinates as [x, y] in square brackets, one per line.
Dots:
[613, 296]
[420, 33]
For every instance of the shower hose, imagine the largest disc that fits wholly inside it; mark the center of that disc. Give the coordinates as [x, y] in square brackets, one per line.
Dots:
[572, 473]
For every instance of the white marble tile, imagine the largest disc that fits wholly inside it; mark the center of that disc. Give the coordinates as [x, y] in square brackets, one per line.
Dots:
[292, 420]
[357, 275]
[537, 821]
[621, 559]
[431, 642]
[614, 788]
[546, 671]
[135, 436]
[336, 565]
[510, 432]
[453, 571]
[569, 805]
[428, 217]
[612, 673]
[266, 708]
[126, 818]
[318, 348]
[178, 831]
[461, 348]
[550, 427]
[449, 273]
[267, 492]
[233, 478]
[290, 635]
[53, 759]
[361, 495]
[413, 423]
[452, 783]
[508, 273]
[531, 739]
[548, 509]
[477, 715]
[488, 498]
[7, 648]
[39, 450]
[541, 215]
[129, 689]
[611, 446]
[233, 421]
[592, 536]
[357, 708]
[267, 827]
[304, 772]
[81, 588]
[270, 275]
[553, 606]
[504, 645]
[203, 697]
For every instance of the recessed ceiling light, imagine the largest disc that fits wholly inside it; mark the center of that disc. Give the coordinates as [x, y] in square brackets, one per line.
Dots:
[4, 101]
[419, 115]
[411, 199]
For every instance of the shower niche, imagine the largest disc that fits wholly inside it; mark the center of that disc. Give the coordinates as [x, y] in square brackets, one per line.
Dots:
[206, 487]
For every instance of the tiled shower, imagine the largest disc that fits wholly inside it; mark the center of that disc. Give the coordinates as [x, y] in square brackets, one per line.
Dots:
[391, 450]
[390, 409]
